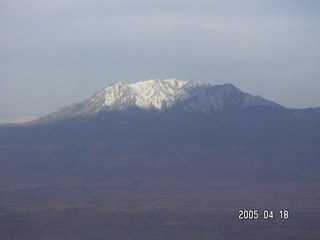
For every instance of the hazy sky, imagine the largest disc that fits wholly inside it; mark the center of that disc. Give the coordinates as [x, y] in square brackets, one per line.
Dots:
[53, 53]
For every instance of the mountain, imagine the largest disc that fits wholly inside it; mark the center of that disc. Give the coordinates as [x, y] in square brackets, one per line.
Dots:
[162, 95]
[175, 114]
[162, 159]
[165, 116]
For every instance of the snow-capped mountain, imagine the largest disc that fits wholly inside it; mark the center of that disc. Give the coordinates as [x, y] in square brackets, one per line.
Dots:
[162, 95]
[167, 127]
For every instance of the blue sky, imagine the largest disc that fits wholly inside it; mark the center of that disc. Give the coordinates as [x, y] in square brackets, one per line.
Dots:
[54, 53]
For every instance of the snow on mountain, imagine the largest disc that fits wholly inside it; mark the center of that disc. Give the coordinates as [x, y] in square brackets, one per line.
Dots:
[156, 94]
[161, 95]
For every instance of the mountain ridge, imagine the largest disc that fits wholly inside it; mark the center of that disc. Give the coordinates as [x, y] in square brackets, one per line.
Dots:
[161, 95]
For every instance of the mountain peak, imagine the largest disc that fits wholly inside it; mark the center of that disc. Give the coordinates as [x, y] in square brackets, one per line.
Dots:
[154, 93]
[161, 95]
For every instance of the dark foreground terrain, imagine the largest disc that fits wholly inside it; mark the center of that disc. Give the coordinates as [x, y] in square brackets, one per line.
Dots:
[161, 179]
[153, 207]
